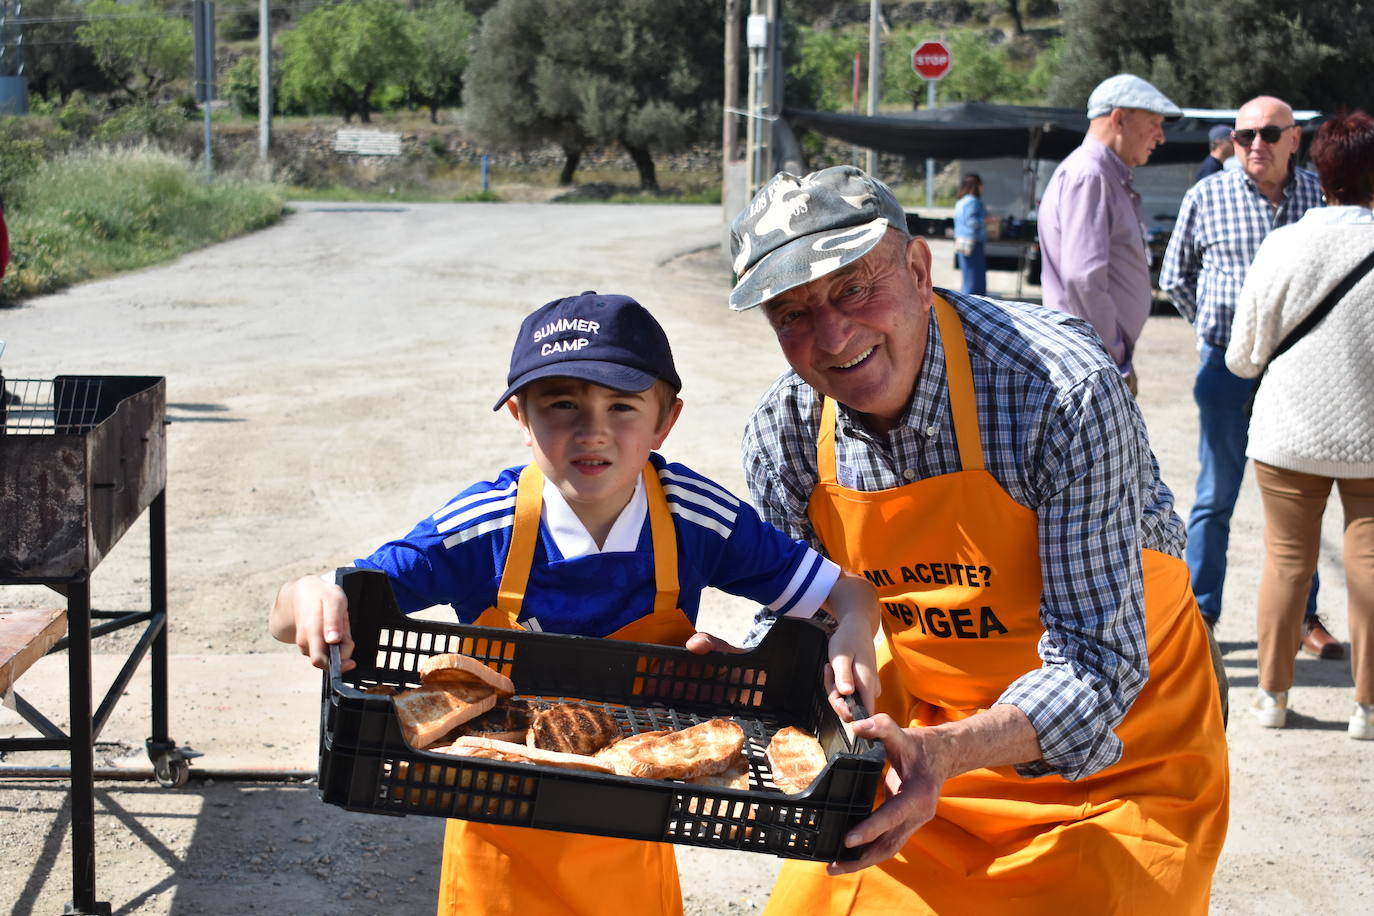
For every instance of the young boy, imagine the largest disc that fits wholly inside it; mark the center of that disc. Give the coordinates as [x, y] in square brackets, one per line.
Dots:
[598, 536]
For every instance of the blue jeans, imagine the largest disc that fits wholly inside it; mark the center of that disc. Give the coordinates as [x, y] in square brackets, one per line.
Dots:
[1224, 431]
[975, 268]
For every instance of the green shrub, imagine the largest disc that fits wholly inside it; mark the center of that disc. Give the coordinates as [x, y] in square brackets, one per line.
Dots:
[20, 157]
[141, 122]
[81, 116]
[240, 87]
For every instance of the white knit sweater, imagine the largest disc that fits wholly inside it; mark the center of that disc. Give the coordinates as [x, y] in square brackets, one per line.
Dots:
[1314, 412]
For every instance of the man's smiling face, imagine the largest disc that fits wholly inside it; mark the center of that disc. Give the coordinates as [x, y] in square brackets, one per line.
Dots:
[858, 334]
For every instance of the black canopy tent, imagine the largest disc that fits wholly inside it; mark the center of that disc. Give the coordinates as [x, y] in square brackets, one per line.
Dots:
[978, 130]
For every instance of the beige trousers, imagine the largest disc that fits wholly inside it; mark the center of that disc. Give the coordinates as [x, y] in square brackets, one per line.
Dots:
[1293, 507]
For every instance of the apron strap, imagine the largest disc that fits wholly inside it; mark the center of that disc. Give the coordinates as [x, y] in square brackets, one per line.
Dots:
[959, 377]
[529, 501]
[665, 543]
[825, 443]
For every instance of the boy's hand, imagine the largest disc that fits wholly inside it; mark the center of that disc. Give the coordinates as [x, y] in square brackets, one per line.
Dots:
[701, 643]
[853, 666]
[313, 614]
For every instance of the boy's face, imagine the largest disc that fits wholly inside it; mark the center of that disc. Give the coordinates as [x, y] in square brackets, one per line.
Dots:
[592, 442]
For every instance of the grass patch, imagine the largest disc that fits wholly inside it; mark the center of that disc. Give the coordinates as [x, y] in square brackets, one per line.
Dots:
[100, 211]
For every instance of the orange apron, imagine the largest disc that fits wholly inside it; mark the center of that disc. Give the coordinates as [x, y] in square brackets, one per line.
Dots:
[961, 565]
[497, 870]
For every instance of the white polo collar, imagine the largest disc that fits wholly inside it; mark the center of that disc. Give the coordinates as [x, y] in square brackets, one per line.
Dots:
[571, 535]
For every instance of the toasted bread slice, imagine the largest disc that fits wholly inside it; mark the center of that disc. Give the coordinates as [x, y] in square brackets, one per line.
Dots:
[572, 728]
[618, 754]
[428, 713]
[736, 777]
[707, 749]
[508, 720]
[453, 670]
[796, 757]
[470, 746]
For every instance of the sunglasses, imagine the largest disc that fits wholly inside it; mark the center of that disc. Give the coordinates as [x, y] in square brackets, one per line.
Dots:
[1270, 133]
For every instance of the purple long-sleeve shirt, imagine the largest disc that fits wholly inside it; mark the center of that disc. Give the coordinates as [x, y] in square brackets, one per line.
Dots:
[1095, 263]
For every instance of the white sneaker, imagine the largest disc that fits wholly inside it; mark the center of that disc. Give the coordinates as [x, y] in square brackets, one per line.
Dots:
[1271, 709]
[1362, 722]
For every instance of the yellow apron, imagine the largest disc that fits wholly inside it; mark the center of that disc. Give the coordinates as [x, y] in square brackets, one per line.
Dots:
[961, 565]
[497, 870]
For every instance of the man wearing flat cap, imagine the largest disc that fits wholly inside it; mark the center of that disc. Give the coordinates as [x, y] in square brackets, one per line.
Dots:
[1219, 139]
[983, 464]
[1093, 240]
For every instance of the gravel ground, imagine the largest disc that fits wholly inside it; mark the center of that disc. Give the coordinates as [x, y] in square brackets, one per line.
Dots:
[329, 380]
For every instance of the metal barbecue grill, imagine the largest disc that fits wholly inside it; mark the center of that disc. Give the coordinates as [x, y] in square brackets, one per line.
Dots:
[81, 458]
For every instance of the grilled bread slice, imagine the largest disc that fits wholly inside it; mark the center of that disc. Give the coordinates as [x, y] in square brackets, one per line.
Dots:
[428, 713]
[618, 754]
[708, 749]
[572, 728]
[450, 669]
[796, 758]
[736, 777]
[471, 746]
[508, 720]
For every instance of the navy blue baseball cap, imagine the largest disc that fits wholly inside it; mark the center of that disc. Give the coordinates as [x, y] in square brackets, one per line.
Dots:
[610, 341]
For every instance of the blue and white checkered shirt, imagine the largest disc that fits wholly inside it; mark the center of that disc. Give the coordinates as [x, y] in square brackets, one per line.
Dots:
[1220, 225]
[1062, 436]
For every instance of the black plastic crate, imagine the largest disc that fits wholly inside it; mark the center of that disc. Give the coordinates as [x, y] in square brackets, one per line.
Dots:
[366, 764]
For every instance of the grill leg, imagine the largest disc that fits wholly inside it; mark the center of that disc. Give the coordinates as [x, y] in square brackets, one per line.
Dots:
[171, 764]
[82, 750]
[157, 583]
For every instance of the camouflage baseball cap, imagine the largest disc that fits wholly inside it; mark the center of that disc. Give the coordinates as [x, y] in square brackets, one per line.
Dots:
[798, 229]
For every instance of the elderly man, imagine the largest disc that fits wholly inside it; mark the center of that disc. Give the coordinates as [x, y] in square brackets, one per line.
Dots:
[984, 465]
[1220, 226]
[1221, 149]
[1093, 242]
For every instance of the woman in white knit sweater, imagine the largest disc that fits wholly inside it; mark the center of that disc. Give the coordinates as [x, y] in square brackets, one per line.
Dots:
[1313, 418]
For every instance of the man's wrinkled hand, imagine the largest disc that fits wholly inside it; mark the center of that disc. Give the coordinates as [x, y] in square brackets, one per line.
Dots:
[913, 790]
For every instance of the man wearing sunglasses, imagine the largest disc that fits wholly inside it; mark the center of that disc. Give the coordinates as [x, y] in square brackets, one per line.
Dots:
[1220, 226]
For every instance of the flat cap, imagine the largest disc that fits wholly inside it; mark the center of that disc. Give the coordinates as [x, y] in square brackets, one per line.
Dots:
[1128, 91]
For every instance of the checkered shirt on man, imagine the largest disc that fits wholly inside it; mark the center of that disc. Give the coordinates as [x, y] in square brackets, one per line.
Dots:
[1220, 225]
[1062, 436]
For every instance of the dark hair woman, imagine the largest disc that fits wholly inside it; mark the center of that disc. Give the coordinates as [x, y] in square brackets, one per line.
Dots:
[971, 235]
[1313, 420]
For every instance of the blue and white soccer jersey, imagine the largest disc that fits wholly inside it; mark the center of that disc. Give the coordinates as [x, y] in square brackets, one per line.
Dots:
[457, 555]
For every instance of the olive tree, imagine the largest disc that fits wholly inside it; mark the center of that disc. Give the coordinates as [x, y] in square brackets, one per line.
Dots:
[441, 34]
[338, 57]
[138, 45]
[643, 74]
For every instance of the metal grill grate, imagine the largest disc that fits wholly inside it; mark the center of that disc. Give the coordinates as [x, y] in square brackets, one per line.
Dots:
[36, 407]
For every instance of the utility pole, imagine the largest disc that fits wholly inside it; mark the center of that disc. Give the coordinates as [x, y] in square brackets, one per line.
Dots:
[729, 146]
[204, 77]
[264, 79]
[13, 77]
[875, 75]
[756, 37]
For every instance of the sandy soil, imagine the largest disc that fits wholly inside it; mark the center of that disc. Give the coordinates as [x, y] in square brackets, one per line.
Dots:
[329, 381]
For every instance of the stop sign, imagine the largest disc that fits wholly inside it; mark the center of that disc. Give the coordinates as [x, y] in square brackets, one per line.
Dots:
[930, 60]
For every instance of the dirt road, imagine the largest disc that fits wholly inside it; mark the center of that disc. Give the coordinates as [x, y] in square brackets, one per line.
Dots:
[330, 380]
